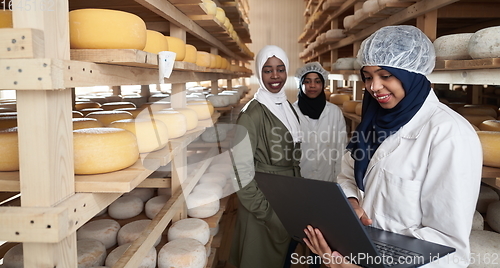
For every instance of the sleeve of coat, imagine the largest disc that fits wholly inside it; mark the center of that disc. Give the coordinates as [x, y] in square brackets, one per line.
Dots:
[341, 141]
[346, 177]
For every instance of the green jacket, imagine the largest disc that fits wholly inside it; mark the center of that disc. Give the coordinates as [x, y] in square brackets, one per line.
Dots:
[260, 240]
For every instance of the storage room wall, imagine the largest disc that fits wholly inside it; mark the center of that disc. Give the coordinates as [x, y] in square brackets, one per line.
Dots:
[278, 22]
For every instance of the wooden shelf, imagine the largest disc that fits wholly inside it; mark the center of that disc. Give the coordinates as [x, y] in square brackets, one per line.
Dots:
[384, 12]
[490, 63]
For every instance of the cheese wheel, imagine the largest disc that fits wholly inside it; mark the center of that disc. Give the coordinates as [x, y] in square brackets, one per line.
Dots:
[359, 15]
[155, 42]
[225, 63]
[182, 253]
[104, 230]
[77, 114]
[214, 177]
[149, 260]
[125, 207]
[106, 117]
[90, 104]
[90, 253]
[8, 121]
[485, 43]
[452, 47]
[100, 150]
[477, 221]
[203, 59]
[493, 215]
[6, 19]
[350, 106]
[9, 144]
[79, 123]
[344, 64]
[117, 105]
[155, 204]
[143, 193]
[13, 258]
[219, 100]
[202, 204]
[226, 23]
[151, 134]
[490, 142]
[86, 111]
[191, 117]
[176, 122]
[178, 46]
[483, 244]
[213, 61]
[210, 6]
[370, 6]
[132, 230]
[191, 54]
[477, 111]
[106, 29]
[339, 99]
[190, 228]
[490, 125]
[218, 61]
[234, 98]
[335, 33]
[359, 108]
[220, 14]
[208, 187]
[476, 120]
[134, 111]
[204, 109]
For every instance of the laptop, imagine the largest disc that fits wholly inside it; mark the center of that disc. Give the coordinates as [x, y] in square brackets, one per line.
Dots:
[299, 202]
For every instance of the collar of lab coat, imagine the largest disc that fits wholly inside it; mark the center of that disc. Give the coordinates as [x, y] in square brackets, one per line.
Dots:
[414, 127]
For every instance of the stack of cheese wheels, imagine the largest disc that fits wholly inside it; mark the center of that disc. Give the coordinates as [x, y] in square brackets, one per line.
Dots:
[125, 207]
[178, 46]
[339, 99]
[77, 114]
[149, 260]
[9, 158]
[86, 111]
[8, 121]
[452, 47]
[108, 106]
[209, 187]
[485, 43]
[490, 142]
[104, 230]
[176, 122]
[79, 123]
[89, 104]
[6, 19]
[203, 59]
[218, 61]
[370, 6]
[191, 55]
[182, 253]
[484, 244]
[359, 15]
[132, 230]
[101, 150]
[14, 257]
[191, 117]
[359, 108]
[220, 15]
[490, 125]
[90, 253]
[493, 215]
[155, 204]
[350, 106]
[210, 6]
[106, 117]
[190, 228]
[335, 33]
[204, 109]
[202, 204]
[106, 29]
[151, 134]
[155, 42]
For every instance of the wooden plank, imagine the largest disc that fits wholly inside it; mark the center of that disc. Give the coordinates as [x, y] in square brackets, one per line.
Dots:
[21, 43]
[465, 77]
[489, 63]
[192, 9]
[490, 172]
[493, 182]
[128, 57]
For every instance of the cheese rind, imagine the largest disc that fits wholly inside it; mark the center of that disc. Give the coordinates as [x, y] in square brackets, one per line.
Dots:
[151, 135]
[182, 253]
[104, 230]
[90, 253]
[125, 207]
[490, 143]
[155, 42]
[190, 228]
[178, 46]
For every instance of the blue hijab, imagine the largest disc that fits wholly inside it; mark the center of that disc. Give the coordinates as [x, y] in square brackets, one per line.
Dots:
[378, 123]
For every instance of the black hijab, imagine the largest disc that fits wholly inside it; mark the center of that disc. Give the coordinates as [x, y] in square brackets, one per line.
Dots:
[308, 106]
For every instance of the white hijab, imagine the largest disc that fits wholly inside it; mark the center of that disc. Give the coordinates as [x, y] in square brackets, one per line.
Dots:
[276, 102]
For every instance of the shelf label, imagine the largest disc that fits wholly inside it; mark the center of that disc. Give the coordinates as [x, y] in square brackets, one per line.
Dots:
[166, 61]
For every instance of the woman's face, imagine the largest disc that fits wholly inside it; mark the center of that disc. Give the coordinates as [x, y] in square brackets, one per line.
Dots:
[383, 86]
[274, 74]
[312, 85]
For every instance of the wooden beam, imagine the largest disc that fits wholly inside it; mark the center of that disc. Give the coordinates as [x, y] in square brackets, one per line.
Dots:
[462, 10]
[21, 43]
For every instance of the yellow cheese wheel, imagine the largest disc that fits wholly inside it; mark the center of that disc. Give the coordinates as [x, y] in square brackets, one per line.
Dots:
[8, 121]
[210, 6]
[151, 134]
[359, 108]
[9, 152]
[213, 60]
[117, 105]
[77, 114]
[218, 62]
[350, 106]
[178, 46]
[220, 15]
[477, 111]
[191, 117]
[339, 98]
[106, 117]
[87, 111]
[6, 18]
[155, 42]
[79, 123]
[190, 54]
[204, 109]
[86, 104]
[134, 111]
[203, 59]
[175, 121]
[490, 142]
[101, 150]
[476, 120]
[490, 125]
[104, 28]
[225, 63]
[226, 22]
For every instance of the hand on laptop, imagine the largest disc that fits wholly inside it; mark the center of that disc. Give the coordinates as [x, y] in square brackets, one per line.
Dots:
[360, 211]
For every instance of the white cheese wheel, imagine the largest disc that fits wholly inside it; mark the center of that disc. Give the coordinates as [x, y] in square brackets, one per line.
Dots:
[335, 33]
[191, 54]
[359, 108]
[79, 123]
[204, 109]
[191, 117]
[220, 15]
[348, 21]
[149, 260]
[203, 59]
[477, 221]
[214, 231]
[106, 117]
[182, 253]
[176, 122]
[493, 215]
[359, 15]
[452, 47]
[485, 43]
[339, 99]
[86, 104]
[208, 187]
[143, 193]
[6, 18]
[486, 197]
[234, 98]
[101, 150]
[178, 46]
[155, 42]
[344, 64]
[210, 6]
[214, 134]
[106, 29]
[151, 134]
[484, 247]
[370, 6]
[350, 106]
[13, 258]
[108, 106]
[90, 253]
[214, 177]
[104, 230]
[202, 204]
[490, 143]
[190, 228]
[125, 207]
[155, 204]
[384, 2]
[132, 230]
[9, 156]
[219, 100]
[490, 125]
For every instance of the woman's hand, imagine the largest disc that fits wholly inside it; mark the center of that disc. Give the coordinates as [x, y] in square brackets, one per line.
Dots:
[360, 211]
[317, 244]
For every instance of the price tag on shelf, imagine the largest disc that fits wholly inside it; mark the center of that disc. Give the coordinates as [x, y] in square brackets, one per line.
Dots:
[166, 61]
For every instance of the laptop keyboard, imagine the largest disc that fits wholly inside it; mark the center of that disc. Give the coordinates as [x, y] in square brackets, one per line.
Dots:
[392, 253]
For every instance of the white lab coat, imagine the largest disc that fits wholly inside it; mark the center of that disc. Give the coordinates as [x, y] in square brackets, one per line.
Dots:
[323, 143]
[424, 180]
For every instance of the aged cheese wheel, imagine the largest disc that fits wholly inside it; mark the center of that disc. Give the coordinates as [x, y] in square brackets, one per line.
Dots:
[176, 122]
[77, 114]
[359, 108]
[476, 120]
[106, 117]
[155, 42]
[350, 106]
[132, 230]
[214, 177]
[209, 187]
[191, 54]
[125, 207]
[218, 61]
[104, 28]
[234, 96]
[490, 125]
[204, 109]
[203, 59]
[335, 33]
[339, 99]
[359, 14]
[225, 63]
[108, 106]
[344, 64]
[477, 221]
[178, 46]
[143, 193]
[86, 104]
[8, 121]
[151, 134]
[86, 111]
[134, 111]
[452, 47]
[155, 204]
[210, 6]
[190, 228]
[485, 43]
[224, 168]
[101, 150]
[490, 142]
[149, 260]
[182, 253]
[202, 204]
[90, 253]
[493, 215]
[348, 22]
[477, 111]
[79, 123]
[486, 196]
[370, 6]
[213, 60]
[218, 100]
[484, 249]
[9, 149]
[220, 15]
[104, 230]
[6, 19]
[191, 117]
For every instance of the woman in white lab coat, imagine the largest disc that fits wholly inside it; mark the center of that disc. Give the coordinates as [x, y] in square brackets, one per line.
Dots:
[322, 125]
[414, 165]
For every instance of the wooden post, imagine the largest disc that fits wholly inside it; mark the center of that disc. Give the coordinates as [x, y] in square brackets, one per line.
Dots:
[214, 83]
[428, 24]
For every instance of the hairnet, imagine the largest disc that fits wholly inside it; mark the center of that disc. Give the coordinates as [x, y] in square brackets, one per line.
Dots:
[403, 46]
[312, 67]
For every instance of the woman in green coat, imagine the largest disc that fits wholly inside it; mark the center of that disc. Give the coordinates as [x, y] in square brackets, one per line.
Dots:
[269, 141]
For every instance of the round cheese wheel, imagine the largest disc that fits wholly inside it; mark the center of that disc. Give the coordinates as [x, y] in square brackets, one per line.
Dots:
[106, 29]
[90, 253]
[234, 97]
[104, 230]
[106, 117]
[202, 204]
[490, 125]
[493, 215]
[155, 42]
[483, 248]
[125, 207]
[149, 260]
[176, 122]
[213, 60]
[359, 14]
[225, 63]
[6, 19]
[220, 15]
[210, 6]
[190, 228]
[86, 111]
[214, 177]
[77, 114]
[190, 54]
[90, 104]
[203, 59]
[339, 99]
[13, 258]
[132, 230]
[490, 142]
[359, 108]
[219, 100]
[8, 121]
[477, 111]
[182, 253]
[108, 106]
[452, 47]
[191, 117]
[485, 43]
[335, 33]
[143, 193]
[476, 120]
[344, 64]
[348, 22]
[79, 123]
[477, 221]
[100, 150]
[350, 106]
[134, 111]
[370, 6]
[155, 204]
[178, 46]
[9, 158]
[151, 134]
[218, 61]
[204, 109]
[209, 187]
